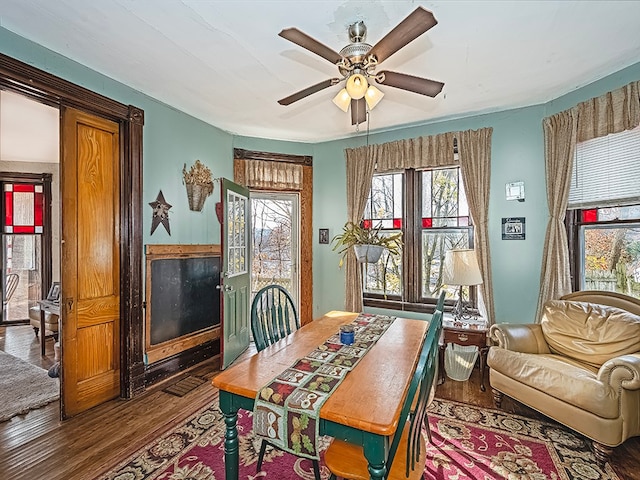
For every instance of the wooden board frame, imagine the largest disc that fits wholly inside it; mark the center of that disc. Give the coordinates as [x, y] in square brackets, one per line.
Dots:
[172, 347]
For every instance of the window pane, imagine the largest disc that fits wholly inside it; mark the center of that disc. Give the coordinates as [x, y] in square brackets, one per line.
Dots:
[443, 197]
[611, 258]
[384, 277]
[427, 212]
[23, 206]
[385, 199]
[435, 242]
[618, 213]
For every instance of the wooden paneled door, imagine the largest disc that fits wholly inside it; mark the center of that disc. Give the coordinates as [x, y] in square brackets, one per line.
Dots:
[90, 261]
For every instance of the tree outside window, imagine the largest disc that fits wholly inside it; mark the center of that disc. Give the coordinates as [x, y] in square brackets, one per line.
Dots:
[609, 250]
[431, 210]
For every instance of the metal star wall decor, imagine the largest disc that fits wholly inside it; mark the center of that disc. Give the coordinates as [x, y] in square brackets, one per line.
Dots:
[160, 213]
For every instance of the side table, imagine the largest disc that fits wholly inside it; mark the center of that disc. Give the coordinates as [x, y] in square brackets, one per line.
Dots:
[465, 336]
[51, 307]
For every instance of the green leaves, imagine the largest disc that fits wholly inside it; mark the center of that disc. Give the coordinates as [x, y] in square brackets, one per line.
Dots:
[354, 234]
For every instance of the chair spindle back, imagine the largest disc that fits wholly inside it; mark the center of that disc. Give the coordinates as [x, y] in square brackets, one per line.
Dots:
[273, 316]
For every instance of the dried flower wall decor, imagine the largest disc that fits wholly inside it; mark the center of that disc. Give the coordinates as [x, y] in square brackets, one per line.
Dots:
[199, 183]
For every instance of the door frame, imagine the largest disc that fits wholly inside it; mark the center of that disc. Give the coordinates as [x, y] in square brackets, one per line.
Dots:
[19, 77]
[306, 217]
[46, 274]
[294, 198]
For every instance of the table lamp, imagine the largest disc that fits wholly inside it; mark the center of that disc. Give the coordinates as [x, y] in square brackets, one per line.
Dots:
[461, 268]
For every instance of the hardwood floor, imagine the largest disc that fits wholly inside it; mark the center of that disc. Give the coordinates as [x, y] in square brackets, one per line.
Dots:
[39, 446]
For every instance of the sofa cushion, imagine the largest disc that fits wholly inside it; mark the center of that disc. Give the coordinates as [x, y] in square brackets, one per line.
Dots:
[589, 332]
[558, 376]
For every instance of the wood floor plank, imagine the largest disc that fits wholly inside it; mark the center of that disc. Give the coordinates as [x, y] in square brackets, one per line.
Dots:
[39, 446]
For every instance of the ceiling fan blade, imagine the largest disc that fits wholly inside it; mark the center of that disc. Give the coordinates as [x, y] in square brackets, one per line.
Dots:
[420, 85]
[358, 111]
[418, 22]
[308, 91]
[305, 41]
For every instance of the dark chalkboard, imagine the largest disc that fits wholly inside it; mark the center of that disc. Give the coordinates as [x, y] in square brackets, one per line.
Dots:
[184, 298]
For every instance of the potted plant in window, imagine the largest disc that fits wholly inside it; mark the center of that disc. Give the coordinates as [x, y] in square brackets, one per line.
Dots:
[368, 243]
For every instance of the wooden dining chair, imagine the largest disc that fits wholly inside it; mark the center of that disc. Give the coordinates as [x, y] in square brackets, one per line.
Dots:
[407, 454]
[440, 303]
[274, 316]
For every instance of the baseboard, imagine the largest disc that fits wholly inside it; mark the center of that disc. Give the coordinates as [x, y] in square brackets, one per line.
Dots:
[166, 367]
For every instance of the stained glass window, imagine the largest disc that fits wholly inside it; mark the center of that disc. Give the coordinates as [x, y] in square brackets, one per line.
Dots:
[23, 207]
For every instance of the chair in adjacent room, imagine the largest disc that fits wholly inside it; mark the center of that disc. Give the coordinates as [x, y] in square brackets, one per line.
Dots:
[10, 286]
[407, 454]
[274, 316]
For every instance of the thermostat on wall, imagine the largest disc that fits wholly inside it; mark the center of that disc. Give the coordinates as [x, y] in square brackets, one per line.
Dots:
[515, 191]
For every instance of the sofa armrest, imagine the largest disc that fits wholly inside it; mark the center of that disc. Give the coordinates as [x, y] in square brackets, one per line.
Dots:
[621, 372]
[527, 338]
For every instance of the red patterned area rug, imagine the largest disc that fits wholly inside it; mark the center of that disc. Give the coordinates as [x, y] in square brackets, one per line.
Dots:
[468, 443]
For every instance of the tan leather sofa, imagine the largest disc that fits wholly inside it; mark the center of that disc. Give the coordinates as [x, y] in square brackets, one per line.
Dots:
[579, 366]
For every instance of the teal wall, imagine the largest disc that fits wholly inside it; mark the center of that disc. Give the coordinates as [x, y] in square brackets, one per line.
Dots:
[172, 138]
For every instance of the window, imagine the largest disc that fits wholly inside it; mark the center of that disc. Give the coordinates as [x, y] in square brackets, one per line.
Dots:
[430, 208]
[606, 250]
[603, 220]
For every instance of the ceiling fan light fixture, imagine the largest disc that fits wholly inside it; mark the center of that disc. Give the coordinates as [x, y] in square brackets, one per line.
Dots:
[373, 95]
[357, 86]
[342, 100]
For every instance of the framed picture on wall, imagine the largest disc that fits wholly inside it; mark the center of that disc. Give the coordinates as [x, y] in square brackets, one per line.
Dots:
[513, 228]
[54, 292]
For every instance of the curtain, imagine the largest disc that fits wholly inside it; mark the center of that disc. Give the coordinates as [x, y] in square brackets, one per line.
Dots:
[423, 152]
[612, 112]
[560, 133]
[268, 174]
[474, 152]
[360, 166]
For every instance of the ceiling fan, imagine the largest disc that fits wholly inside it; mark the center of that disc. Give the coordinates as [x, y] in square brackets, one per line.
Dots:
[357, 64]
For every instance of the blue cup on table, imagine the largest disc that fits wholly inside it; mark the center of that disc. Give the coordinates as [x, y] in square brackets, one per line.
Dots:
[347, 334]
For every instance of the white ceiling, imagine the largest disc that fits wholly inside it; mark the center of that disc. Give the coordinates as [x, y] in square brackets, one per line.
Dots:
[223, 62]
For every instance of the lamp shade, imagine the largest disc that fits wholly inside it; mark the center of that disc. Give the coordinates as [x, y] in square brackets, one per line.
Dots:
[373, 96]
[342, 100]
[461, 268]
[357, 86]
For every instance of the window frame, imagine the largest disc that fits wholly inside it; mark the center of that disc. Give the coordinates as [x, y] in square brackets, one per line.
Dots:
[412, 299]
[573, 223]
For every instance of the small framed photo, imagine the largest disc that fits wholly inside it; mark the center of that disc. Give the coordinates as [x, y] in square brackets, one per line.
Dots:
[54, 292]
[513, 228]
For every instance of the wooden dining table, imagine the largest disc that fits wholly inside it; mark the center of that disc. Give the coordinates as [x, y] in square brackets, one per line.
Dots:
[365, 407]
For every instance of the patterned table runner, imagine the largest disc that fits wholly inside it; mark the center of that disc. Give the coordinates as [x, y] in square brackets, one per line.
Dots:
[287, 409]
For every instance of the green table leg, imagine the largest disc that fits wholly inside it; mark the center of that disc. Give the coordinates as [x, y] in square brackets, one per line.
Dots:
[231, 450]
[375, 451]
